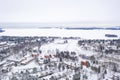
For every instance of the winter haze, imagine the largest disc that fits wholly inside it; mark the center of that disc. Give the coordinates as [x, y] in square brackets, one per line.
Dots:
[60, 12]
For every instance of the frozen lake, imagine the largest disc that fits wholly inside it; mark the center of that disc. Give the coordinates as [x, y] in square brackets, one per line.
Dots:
[85, 34]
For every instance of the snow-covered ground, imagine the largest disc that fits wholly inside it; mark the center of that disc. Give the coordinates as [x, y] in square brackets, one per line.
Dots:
[85, 34]
[50, 48]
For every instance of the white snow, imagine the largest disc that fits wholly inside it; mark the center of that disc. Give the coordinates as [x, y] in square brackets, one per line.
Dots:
[50, 48]
[85, 34]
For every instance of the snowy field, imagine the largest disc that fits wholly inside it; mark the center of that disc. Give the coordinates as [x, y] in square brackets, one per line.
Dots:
[85, 34]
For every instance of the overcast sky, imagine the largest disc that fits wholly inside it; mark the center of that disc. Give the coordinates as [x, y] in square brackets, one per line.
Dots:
[52, 11]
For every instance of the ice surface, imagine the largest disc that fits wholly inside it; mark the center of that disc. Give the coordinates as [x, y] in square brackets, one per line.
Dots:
[85, 34]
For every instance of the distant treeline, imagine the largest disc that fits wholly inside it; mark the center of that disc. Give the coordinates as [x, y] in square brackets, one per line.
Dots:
[93, 28]
[1, 30]
[110, 35]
